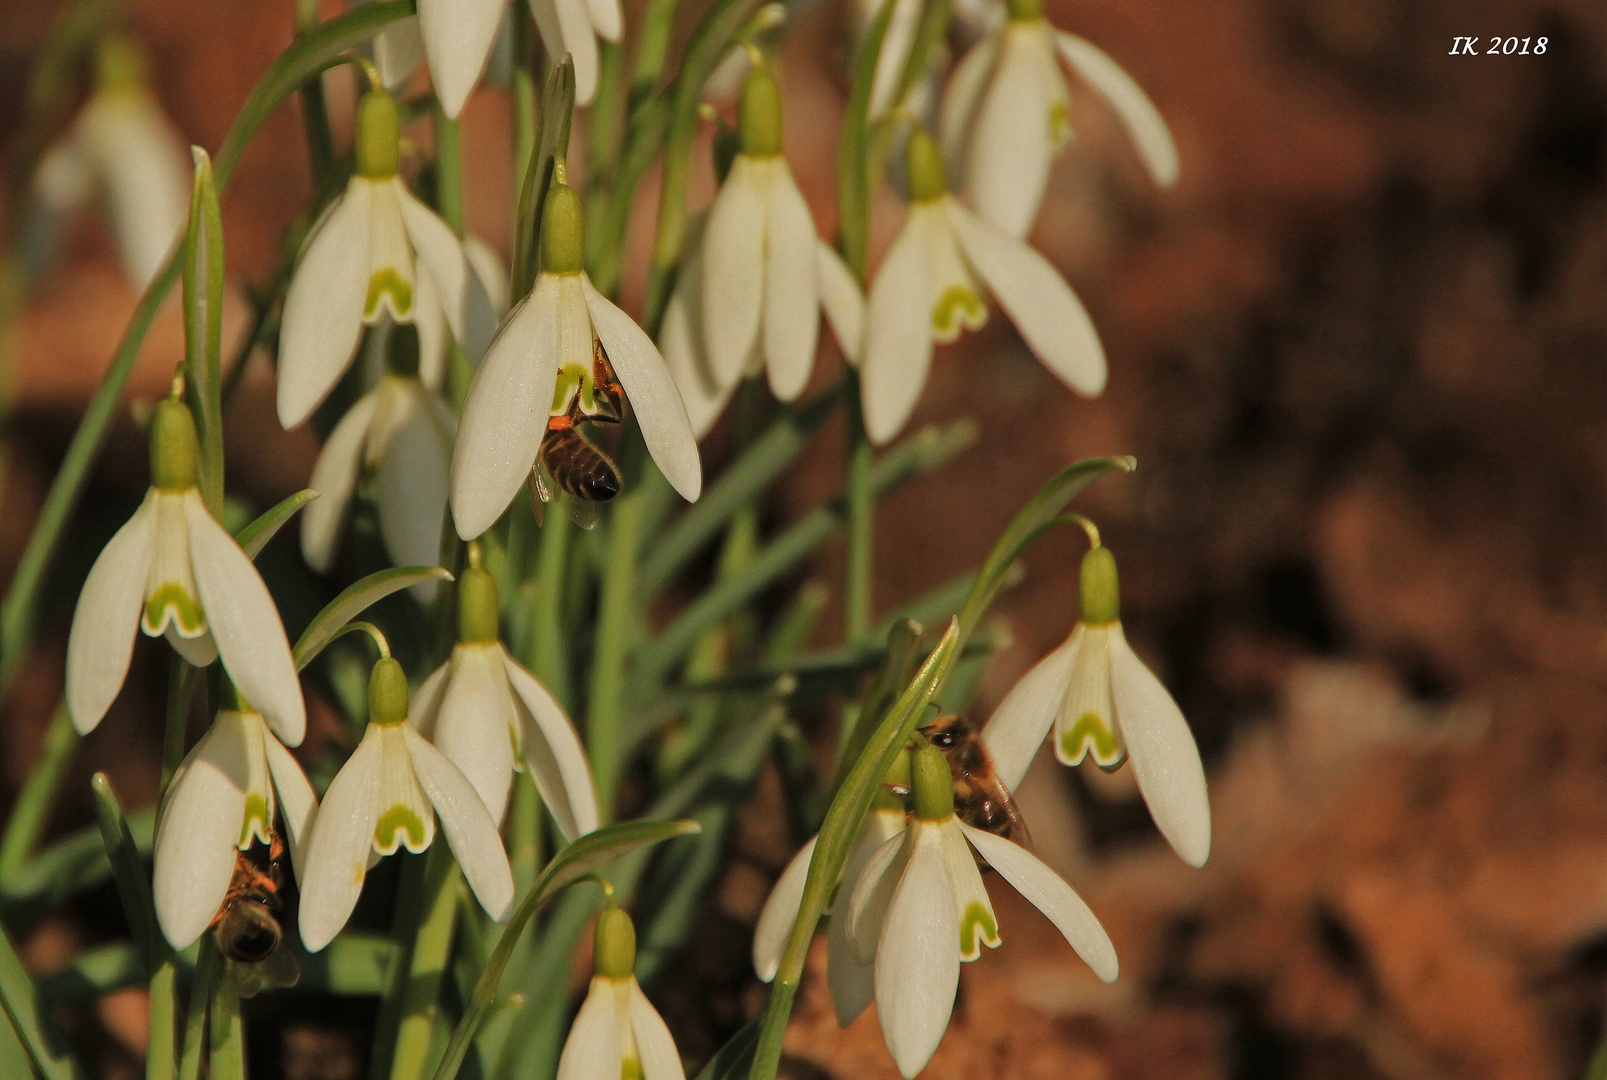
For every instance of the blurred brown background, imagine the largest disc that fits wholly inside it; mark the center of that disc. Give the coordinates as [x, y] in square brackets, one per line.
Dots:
[1358, 352]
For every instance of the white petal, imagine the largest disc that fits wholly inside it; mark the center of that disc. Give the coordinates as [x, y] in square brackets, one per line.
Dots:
[592, 1051]
[873, 892]
[554, 754]
[732, 292]
[297, 803]
[469, 829]
[1052, 896]
[484, 299]
[606, 18]
[1165, 760]
[424, 709]
[660, 1060]
[791, 299]
[1128, 101]
[960, 99]
[1086, 720]
[440, 255]
[245, 623]
[397, 51]
[141, 160]
[412, 481]
[852, 983]
[434, 336]
[840, 299]
[780, 911]
[457, 40]
[337, 849]
[506, 412]
[917, 962]
[1052, 321]
[196, 836]
[565, 26]
[896, 44]
[653, 397]
[199, 651]
[474, 724]
[1008, 155]
[107, 617]
[978, 925]
[334, 477]
[702, 395]
[323, 316]
[1019, 725]
[898, 333]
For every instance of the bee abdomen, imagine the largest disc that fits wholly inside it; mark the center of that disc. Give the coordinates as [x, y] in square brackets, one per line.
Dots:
[578, 467]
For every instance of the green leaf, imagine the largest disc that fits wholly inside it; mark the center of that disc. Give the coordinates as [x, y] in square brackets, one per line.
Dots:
[579, 858]
[132, 887]
[357, 597]
[853, 148]
[255, 536]
[203, 326]
[70, 866]
[734, 1058]
[34, 1027]
[552, 142]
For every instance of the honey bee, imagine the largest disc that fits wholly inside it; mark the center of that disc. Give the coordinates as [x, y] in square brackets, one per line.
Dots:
[568, 461]
[980, 798]
[246, 926]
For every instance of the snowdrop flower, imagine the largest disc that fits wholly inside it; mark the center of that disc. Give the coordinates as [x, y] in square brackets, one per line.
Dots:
[543, 367]
[459, 35]
[377, 251]
[760, 254]
[897, 42]
[1101, 699]
[927, 291]
[490, 717]
[919, 908]
[1006, 114]
[396, 50]
[222, 801]
[173, 572]
[387, 795]
[617, 1032]
[123, 144]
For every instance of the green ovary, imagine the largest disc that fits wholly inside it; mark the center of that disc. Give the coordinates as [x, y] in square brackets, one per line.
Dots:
[958, 308]
[186, 613]
[630, 1069]
[397, 820]
[977, 925]
[256, 819]
[1090, 733]
[388, 282]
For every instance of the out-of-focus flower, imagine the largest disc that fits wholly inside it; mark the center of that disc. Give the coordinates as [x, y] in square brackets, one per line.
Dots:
[459, 34]
[617, 1033]
[926, 291]
[1101, 699]
[919, 908]
[387, 795]
[222, 801]
[1006, 114]
[544, 364]
[491, 717]
[174, 572]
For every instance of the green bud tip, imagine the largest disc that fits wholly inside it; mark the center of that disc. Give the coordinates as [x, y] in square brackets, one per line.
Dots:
[175, 450]
[120, 65]
[477, 607]
[563, 232]
[923, 164]
[759, 115]
[934, 784]
[1024, 10]
[387, 692]
[614, 948]
[1097, 592]
[379, 135]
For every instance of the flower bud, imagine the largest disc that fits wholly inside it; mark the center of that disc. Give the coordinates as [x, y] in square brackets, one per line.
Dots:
[563, 232]
[379, 135]
[759, 115]
[1024, 10]
[174, 447]
[1097, 594]
[934, 784]
[387, 693]
[923, 164]
[614, 947]
[477, 607]
[898, 776]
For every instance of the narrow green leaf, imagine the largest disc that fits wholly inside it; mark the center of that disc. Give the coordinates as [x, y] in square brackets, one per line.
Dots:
[735, 1057]
[208, 974]
[34, 1027]
[853, 148]
[28, 816]
[898, 667]
[577, 859]
[357, 597]
[132, 887]
[203, 326]
[70, 866]
[552, 142]
[255, 536]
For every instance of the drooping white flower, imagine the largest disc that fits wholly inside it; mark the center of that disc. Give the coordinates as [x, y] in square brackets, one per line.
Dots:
[897, 42]
[574, 27]
[927, 291]
[377, 252]
[543, 369]
[491, 717]
[174, 572]
[618, 1035]
[397, 50]
[124, 146]
[1006, 114]
[485, 301]
[919, 908]
[222, 801]
[387, 795]
[1101, 699]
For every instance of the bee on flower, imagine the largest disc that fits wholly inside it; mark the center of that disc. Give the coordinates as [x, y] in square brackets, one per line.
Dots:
[617, 1033]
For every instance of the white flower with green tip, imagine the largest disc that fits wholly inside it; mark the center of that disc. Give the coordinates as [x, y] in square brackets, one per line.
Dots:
[174, 572]
[388, 796]
[927, 290]
[222, 800]
[377, 251]
[1006, 114]
[1100, 699]
[491, 717]
[919, 908]
[618, 1035]
[542, 362]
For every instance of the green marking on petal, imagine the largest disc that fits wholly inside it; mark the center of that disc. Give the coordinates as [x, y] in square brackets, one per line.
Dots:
[256, 820]
[172, 601]
[958, 308]
[1089, 733]
[630, 1069]
[388, 283]
[393, 823]
[1059, 124]
[976, 926]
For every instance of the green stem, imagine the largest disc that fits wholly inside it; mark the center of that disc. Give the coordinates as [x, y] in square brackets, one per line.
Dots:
[35, 1028]
[549, 646]
[180, 688]
[227, 1034]
[432, 946]
[405, 922]
[38, 795]
[208, 972]
[314, 112]
[162, 1051]
[449, 170]
[615, 625]
[861, 506]
[607, 130]
[658, 21]
[525, 107]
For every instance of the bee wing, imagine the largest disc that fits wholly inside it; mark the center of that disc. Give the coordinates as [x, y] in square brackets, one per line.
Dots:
[580, 511]
[278, 971]
[995, 789]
